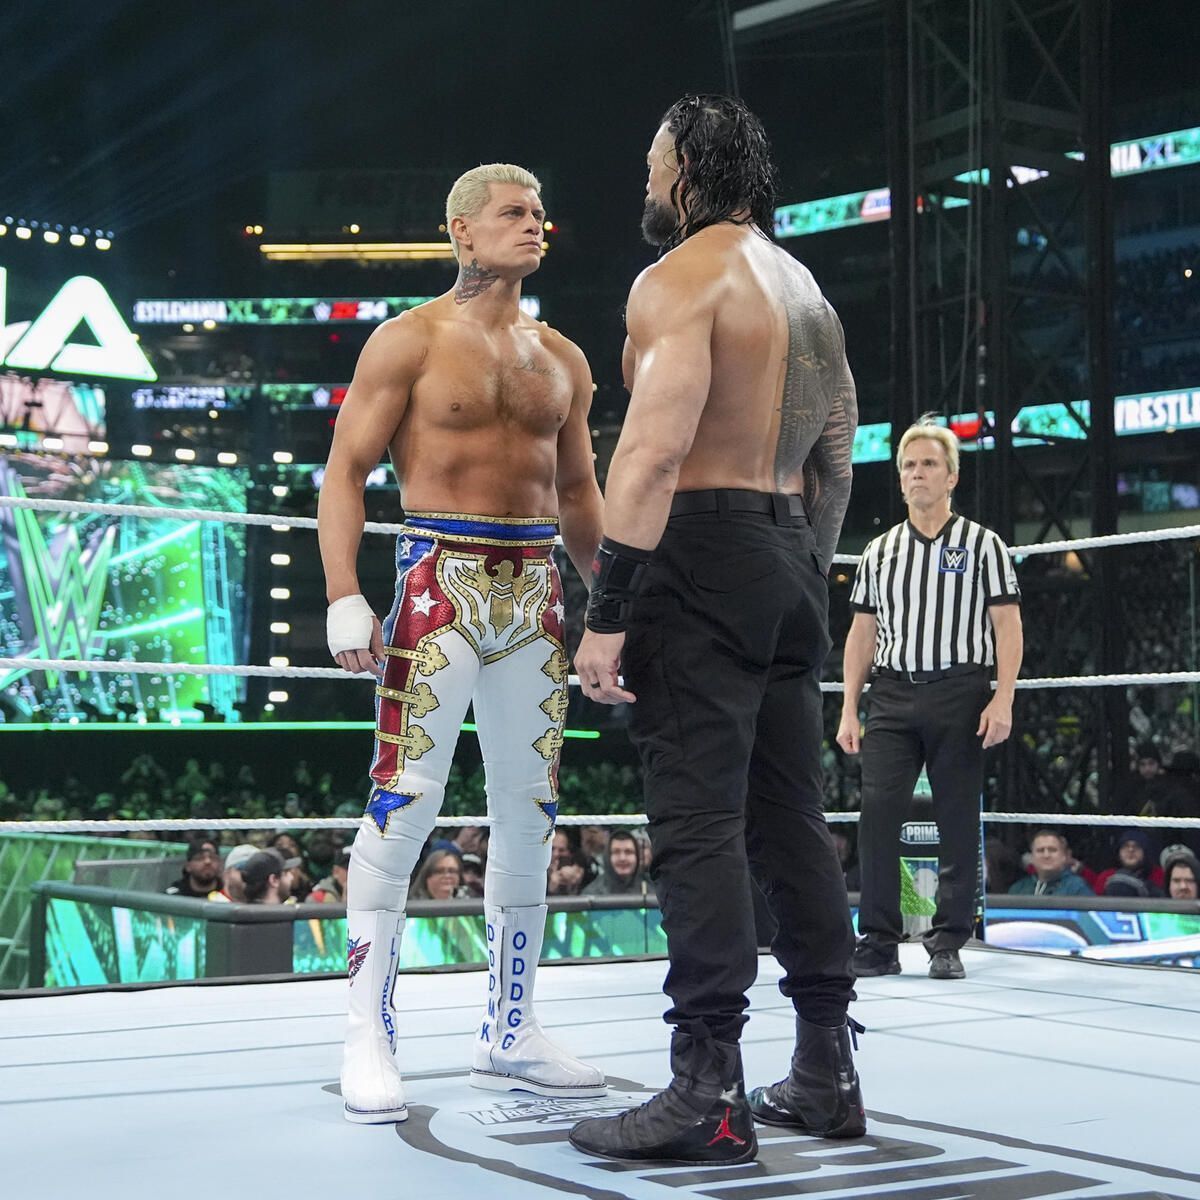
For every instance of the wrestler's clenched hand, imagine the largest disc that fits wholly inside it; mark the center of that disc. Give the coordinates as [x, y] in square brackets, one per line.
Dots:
[355, 635]
[598, 665]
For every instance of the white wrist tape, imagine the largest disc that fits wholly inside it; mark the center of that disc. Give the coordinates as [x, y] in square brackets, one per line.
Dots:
[348, 624]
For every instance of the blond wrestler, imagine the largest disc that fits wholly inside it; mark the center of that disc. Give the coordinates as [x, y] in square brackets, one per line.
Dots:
[483, 411]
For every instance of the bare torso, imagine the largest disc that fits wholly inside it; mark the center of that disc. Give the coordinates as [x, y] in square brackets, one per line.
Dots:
[778, 360]
[480, 431]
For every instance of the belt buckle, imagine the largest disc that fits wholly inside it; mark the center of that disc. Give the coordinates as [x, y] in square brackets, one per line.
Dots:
[911, 677]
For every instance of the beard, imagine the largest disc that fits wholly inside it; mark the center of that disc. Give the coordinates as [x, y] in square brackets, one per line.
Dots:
[658, 222]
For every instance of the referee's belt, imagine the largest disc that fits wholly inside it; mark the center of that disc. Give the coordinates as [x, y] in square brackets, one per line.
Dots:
[783, 507]
[927, 676]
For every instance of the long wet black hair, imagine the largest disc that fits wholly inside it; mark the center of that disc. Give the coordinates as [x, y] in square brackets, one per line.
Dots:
[725, 166]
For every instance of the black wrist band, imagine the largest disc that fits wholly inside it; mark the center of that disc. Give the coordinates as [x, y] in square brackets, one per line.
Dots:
[617, 575]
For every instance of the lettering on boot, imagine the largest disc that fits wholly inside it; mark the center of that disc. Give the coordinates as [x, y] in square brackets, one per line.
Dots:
[485, 1032]
[514, 1016]
[386, 1001]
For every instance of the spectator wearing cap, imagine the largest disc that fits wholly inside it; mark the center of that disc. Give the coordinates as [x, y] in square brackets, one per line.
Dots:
[1181, 873]
[1136, 873]
[467, 839]
[232, 886]
[201, 878]
[268, 878]
[472, 876]
[1142, 792]
[287, 846]
[1052, 874]
[332, 889]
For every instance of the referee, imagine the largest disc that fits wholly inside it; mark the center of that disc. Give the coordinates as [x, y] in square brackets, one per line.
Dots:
[936, 606]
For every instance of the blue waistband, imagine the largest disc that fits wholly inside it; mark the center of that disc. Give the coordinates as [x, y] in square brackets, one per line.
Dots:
[532, 530]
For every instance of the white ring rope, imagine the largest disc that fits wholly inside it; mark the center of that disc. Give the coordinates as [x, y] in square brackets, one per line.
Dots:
[112, 666]
[123, 667]
[216, 824]
[236, 518]
[153, 512]
[197, 514]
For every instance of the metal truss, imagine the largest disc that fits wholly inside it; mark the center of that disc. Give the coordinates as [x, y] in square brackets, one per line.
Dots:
[1003, 272]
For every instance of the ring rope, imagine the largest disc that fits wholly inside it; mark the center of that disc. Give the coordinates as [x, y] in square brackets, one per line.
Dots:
[200, 823]
[123, 667]
[153, 512]
[235, 518]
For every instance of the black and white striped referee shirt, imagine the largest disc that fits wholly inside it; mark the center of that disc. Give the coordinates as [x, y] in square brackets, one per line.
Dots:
[930, 596]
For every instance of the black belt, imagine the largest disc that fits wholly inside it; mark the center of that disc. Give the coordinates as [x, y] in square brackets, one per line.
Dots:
[927, 676]
[784, 508]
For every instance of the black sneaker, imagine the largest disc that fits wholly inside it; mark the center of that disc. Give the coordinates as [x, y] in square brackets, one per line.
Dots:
[871, 958]
[821, 1095]
[702, 1117]
[945, 964]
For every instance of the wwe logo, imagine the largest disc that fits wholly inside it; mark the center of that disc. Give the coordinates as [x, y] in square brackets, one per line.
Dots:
[953, 560]
[61, 582]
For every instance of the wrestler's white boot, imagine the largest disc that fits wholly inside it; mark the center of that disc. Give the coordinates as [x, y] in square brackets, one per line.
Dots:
[511, 1051]
[372, 1089]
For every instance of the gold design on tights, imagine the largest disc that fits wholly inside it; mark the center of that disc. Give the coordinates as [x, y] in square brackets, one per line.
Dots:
[428, 656]
[503, 589]
[556, 665]
[555, 706]
[421, 699]
[415, 743]
[549, 744]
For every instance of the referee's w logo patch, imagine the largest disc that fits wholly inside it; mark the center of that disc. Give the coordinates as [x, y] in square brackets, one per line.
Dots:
[954, 560]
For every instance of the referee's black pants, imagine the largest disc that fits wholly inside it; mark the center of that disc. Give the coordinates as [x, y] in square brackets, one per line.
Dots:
[910, 725]
[724, 654]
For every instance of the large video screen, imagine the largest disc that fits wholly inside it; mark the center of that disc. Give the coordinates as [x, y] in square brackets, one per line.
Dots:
[72, 411]
[127, 588]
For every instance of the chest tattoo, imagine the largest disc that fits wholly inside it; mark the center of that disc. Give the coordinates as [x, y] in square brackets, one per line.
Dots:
[527, 364]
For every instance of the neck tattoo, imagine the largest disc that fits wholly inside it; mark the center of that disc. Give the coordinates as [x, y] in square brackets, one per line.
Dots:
[473, 280]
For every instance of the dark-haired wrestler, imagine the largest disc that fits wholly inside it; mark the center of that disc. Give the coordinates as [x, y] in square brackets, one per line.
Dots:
[723, 507]
[484, 413]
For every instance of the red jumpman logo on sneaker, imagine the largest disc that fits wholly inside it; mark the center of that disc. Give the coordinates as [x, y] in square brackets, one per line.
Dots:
[723, 1132]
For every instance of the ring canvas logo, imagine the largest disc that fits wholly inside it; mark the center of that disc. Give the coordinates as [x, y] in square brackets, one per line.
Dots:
[522, 1144]
[42, 345]
[953, 560]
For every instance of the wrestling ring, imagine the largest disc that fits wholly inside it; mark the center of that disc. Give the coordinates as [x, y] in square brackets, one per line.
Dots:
[1039, 1075]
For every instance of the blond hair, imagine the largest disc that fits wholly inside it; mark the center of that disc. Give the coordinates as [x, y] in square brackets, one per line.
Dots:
[926, 426]
[471, 191]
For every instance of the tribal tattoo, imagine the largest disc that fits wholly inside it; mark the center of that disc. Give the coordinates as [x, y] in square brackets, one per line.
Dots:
[819, 408]
[473, 280]
[827, 470]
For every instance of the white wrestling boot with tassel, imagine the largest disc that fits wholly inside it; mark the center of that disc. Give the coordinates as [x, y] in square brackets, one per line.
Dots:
[511, 1051]
[372, 1089]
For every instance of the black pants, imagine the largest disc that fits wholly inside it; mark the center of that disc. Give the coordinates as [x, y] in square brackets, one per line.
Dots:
[724, 654]
[910, 725]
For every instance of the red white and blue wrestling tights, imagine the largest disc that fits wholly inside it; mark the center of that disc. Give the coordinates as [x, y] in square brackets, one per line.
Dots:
[478, 618]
